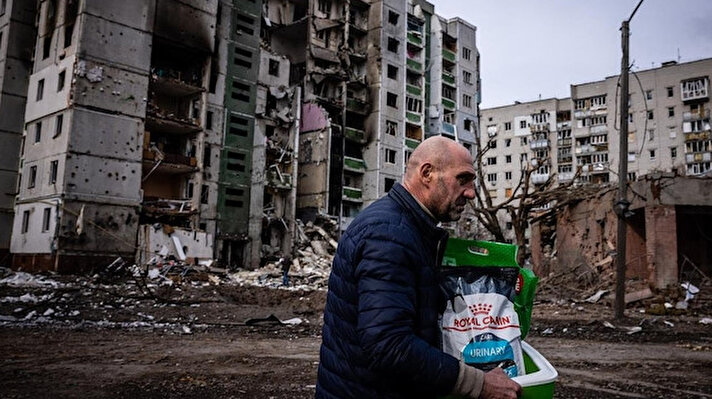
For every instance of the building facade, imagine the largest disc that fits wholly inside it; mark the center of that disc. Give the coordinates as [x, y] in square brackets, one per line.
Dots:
[203, 129]
[669, 131]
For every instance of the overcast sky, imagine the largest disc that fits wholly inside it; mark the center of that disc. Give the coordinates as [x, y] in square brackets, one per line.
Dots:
[531, 48]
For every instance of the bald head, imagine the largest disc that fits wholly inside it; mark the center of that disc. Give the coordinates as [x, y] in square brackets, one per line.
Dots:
[440, 175]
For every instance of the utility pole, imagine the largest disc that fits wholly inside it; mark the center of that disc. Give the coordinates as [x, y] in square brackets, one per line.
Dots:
[621, 206]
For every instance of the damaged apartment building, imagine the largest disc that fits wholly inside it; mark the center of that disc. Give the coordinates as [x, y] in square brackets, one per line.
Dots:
[201, 130]
[576, 140]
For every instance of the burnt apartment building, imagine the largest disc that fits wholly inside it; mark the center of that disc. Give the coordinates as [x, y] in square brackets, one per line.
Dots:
[201, 129]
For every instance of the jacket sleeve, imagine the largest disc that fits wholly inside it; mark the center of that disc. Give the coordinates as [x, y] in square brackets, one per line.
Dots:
[387, 283]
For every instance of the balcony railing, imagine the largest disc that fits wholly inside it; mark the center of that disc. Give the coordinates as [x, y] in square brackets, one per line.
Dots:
[538, 144]
[414, 65]
[705, 135]
[411, 143]
[702, 113]
[354, 164]
[698, 157]
[599, 129]
[539, 127]
[355, 135]
[566, 176]
[448, 128]
[414, 90]
[279, 180]
[694, 89]
[415, 38]
[356, 105]
[564, 142]
[449, 55]
[352, 194]
[449, 104]
[413, 117]
[539, 178]
[449, 79]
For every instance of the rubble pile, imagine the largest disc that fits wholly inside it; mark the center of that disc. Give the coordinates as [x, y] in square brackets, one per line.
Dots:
[310, 267]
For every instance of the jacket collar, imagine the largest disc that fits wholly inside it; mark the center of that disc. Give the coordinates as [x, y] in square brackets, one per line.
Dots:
[426, 223]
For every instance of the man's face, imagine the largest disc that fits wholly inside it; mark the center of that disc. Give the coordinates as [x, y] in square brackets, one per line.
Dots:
[454, 185]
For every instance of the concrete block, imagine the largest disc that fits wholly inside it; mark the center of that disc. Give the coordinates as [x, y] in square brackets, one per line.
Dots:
[9, 151]
[106, 135]
[189, 25]
[137, 14]
[103, 177]
[115, 44]
[14, 77]
[104, 228]
[100, 86]
[12, 105]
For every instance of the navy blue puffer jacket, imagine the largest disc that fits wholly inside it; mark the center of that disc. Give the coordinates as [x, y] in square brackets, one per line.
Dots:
[381, 337]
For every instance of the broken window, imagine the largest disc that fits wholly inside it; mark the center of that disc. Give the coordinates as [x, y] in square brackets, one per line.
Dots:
[465, 53]
[393, 17]
[245, 24]
[414, 105]
[651, 115]
[448, 92]
[492, 144]
[652, 155]
[388, 184]
[673, 152]
[508, 159]
[671, 112]
[407, 156]
[204, 194]
[46, 46]
[40, 89]
[206, 156]
[507, 142]
[648, 94]
[391, 100]
[25, 221]
[390, 156]
[467, 100]
[325, 6]
[324, 36]
[58, 122]
[53, 166]
[236, 161]
[273, 67]
[240, 92]
[391, 128]
[60, 80]
[523, 140]
[242, 58]
[670, 91]
[32, 176]
[45, 219]
[393, 45]
[38, 132]
[209, 120]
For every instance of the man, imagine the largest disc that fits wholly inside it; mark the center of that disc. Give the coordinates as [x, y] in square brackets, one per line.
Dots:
[380, 337]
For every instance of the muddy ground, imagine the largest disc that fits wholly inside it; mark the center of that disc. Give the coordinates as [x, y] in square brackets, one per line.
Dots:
[89, 338]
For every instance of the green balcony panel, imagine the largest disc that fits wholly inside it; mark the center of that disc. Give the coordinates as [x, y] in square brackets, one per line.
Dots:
[411, 143]
[449, 79]
[414, 65]
[448, 128]
[354, 164]
[449, 104]
[413, 117]
[356, 105]
[449, 55]
[415, 38]
[352, 194]
[356, 135]
[414, 90]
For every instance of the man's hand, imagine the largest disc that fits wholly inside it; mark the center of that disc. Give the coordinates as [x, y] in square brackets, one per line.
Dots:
[498, 385]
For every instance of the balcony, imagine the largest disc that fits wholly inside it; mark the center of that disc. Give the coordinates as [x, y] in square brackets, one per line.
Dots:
[168, 163]
[167, 207]
[448, 104]
[598, 129]
[356, 165]
[449, 55]
[540, 127]
[278, 180]
[413, 117]
[411, 143]
[563, 125]
[355, 135]
[449, 78]
[694, 136]
[356, 105]
[448, 129]
[414, 90]
[414, 65]
[582, 113]
[415, 38]
[698, 157]
[564, 142]
[701, 113]
[694, 89]
[352, 194]
[539, 144]
[566, 176]
[584, 149]
[539, 178]
[567, 158]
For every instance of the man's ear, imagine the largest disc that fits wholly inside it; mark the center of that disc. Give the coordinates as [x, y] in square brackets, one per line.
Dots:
[426, 172]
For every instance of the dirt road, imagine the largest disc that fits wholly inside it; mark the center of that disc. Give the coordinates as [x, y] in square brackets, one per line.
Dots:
[102, 343]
